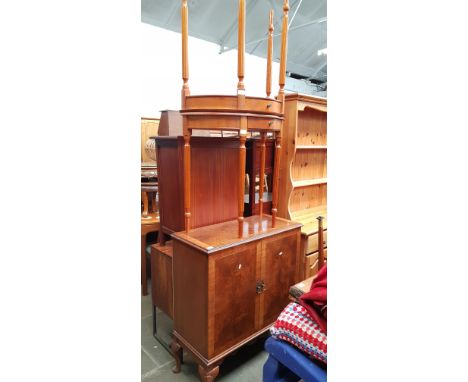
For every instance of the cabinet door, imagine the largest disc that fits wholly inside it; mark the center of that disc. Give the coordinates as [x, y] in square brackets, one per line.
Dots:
[234, 296]
[278, 270]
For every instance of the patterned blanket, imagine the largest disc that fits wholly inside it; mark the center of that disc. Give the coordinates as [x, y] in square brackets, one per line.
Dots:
[296, 326]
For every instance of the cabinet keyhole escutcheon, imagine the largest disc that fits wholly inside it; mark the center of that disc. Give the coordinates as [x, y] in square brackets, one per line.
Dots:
[260, 287]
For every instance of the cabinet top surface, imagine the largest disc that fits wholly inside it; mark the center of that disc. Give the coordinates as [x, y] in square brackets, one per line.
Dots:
[221, 236]
[306, 97]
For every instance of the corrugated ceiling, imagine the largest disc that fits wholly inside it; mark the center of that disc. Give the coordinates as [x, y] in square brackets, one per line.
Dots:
[216, 21]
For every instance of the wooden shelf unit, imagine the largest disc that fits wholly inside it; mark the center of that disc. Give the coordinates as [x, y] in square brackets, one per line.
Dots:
[303, 172]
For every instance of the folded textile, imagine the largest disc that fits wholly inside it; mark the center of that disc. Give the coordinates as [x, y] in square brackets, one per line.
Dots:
[315, 301]
[295, 326]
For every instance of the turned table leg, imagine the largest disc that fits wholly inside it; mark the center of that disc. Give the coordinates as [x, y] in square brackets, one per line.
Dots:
[209, 373]
[178, 355]
[144, 280]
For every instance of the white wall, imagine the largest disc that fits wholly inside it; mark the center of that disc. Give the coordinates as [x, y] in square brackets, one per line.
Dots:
[209, 72]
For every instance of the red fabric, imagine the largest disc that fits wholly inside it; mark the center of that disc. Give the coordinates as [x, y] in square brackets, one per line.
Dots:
[315, 301]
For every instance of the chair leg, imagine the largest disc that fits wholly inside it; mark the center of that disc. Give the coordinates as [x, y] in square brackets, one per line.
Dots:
[144, 279]
[155, 329]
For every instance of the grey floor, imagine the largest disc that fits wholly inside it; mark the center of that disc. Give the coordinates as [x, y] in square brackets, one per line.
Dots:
[244, 365]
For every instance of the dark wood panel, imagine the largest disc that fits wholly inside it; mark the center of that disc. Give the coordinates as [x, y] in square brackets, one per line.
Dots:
[214, 194]
[171, 204]
[171, 123]
[279, 268]
[235, 297]
[190, 295]
[161, 277]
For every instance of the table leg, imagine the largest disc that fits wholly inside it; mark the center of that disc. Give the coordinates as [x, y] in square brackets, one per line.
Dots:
[144, 279]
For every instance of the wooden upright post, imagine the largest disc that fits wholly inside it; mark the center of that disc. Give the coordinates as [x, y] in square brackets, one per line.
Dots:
[185, 70]
[262, 171]
[186, 131]
[241, 47]
[284, 50]
[243, 119]
[242, 154]
[187, 175]
[269, 54]
[274, 197]
[321, 258]
[282, 80]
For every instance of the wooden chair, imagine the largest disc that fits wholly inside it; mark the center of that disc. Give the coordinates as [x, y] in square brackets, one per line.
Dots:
[299, 289]
[149, 223]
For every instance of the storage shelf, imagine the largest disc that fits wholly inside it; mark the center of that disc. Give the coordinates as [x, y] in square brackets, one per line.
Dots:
[311, 147]
[308, 182]
[308, 218]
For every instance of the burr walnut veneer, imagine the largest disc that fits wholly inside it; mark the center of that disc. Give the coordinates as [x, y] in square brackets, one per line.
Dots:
[228, 290]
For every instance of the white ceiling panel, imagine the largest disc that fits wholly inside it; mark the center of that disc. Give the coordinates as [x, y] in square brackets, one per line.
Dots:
[216, 21]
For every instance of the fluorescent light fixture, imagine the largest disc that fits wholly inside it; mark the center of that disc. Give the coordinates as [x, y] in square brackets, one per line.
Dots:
[322, 52]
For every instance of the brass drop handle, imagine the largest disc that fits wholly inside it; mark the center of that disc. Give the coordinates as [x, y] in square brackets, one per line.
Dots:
[270, 123]
[269, 105]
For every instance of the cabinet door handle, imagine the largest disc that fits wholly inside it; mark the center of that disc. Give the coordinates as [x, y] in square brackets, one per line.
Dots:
[270, 123]
[269, 105]
[280, 253]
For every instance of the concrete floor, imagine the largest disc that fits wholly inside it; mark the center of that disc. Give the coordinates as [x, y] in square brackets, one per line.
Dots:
[245, 365]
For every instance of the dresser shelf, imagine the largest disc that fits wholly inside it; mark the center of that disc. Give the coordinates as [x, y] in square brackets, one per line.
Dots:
[309, 182]
[311, 147]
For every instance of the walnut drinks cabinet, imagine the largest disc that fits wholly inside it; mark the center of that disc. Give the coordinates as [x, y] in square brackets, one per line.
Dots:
[228, 291]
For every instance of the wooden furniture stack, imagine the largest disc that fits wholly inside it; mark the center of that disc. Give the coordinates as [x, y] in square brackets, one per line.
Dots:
[214, 196]
[149, 223]
[230, 278]
[303, 173]
[214, 199]
[149, 187]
